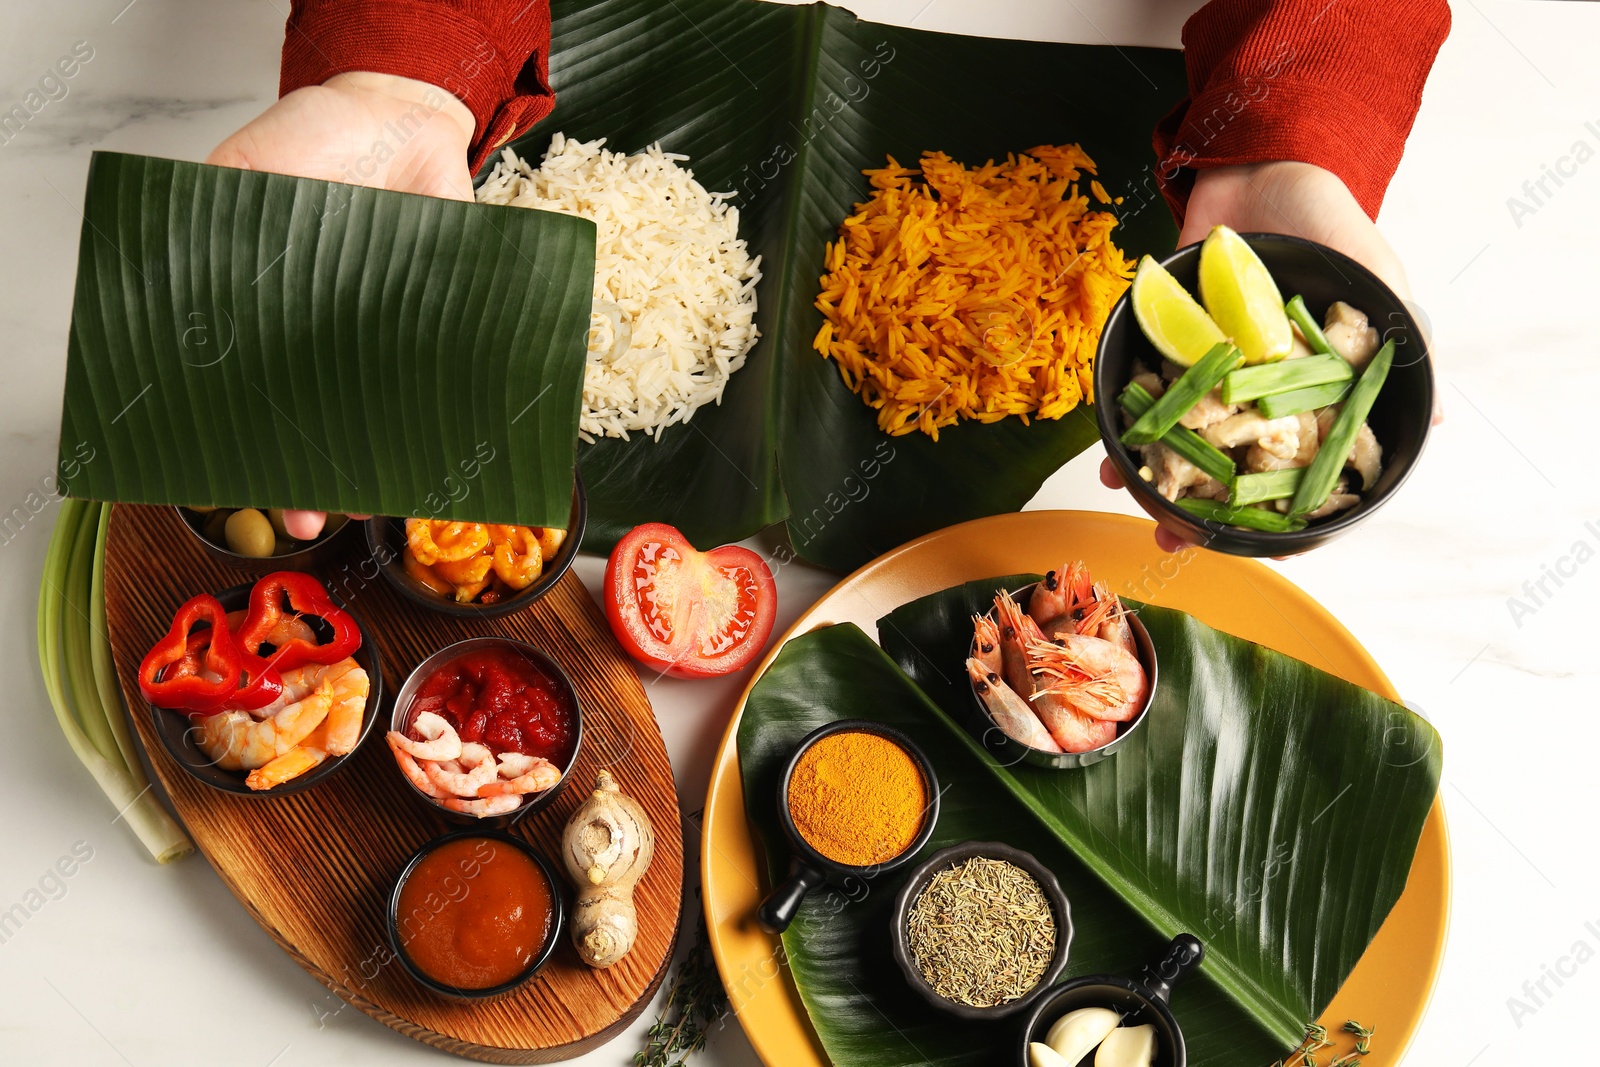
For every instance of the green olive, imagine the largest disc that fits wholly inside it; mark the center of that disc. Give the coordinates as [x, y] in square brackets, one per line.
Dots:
[249, 533]
[212, 529]
[275, 516]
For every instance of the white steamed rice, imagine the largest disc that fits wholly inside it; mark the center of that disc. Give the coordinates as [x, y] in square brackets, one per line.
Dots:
[675, 287]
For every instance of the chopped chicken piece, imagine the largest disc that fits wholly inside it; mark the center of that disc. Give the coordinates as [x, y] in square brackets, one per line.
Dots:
[1209, 411]
[1349, 334]
[1174, 474]
[1366, 456]
[1248, 427]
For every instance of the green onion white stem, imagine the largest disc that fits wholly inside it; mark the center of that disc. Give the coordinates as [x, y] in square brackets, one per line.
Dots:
[75, 658]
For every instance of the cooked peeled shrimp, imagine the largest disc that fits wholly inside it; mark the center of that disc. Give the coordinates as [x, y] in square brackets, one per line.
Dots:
[475, 769]
[550, 541]
[1366, 456]
[483, 807]
[1349, 334]
[542, 776]
[443, 541]
[309, 753]
[1016, 630]
[412, 769]
[518, 561]
[1208, 412]
[514, 764]
[440, 740]
[986, 643]
[1095, 676]
[237, 742]
[349, 686]
[1009, 711]
[1248, 427]
[467, 576]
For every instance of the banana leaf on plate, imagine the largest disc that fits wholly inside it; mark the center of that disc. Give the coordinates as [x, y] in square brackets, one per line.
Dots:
[1265, 806]
[784, 106]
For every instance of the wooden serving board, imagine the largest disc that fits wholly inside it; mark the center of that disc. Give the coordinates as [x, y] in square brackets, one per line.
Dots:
[315, 869]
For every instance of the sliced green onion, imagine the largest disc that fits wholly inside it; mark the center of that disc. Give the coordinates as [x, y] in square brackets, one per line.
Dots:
[1254, 518]
[1270, 485]
[1301, 317]
[1136, 400]
[1330, 459]
[1295, 401]
[1248, 383]
[1183, 394]
[75, 658]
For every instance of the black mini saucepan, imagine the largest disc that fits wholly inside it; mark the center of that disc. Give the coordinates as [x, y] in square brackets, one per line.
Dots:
[1140, 1000]
[808, 868]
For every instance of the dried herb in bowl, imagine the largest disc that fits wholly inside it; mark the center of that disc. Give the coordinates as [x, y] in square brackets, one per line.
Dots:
[982, 932]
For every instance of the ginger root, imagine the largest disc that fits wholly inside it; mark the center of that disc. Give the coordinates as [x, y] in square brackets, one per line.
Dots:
[605, 849]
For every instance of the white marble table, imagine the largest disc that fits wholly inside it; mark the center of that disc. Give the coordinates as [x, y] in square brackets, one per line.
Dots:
[142, 965]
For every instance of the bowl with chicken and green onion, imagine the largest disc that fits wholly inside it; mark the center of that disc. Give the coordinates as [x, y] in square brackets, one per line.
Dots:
[1262, 394]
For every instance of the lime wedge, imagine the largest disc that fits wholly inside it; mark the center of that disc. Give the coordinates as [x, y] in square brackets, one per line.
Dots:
[1171, 320]
[1242, 297]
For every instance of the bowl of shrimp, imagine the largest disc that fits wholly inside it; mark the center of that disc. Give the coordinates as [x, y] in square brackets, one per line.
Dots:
[1245, 500]
[1062, 674]
[475, 570]
[247, 753]
[486, 730]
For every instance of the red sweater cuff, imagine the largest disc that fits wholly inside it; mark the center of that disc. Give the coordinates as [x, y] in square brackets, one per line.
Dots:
[1336, 84]
[492, 55]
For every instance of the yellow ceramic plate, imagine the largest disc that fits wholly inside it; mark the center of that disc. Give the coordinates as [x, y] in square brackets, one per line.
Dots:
[1389, 987]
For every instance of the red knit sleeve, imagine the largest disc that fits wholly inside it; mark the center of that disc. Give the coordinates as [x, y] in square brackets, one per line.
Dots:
[1336, 83]
[493, 54]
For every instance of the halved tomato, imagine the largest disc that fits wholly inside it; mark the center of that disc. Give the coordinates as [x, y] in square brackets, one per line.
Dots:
[688, 613]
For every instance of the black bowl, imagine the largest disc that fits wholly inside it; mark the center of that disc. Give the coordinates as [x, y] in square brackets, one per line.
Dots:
[401, 716]
[386, 539]
[1140, 1001]
[809, 868]
[391, 917]
[1400, 418]
[309, 557]
[949, 857]
[1008, 751]
[177, 731]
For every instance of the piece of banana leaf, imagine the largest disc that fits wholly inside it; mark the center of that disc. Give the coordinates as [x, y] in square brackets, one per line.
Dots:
[242, 339]
[1266, 807]
[784, 106]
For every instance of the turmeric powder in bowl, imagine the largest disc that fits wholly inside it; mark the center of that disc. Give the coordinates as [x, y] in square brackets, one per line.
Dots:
[857, 798]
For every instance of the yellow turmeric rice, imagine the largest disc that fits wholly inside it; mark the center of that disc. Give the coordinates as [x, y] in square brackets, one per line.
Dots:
[972, 294]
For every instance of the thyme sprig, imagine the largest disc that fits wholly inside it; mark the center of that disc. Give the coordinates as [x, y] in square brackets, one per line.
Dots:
[695, 1003]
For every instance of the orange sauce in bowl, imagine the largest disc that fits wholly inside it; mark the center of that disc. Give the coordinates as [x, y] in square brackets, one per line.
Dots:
[474, 912]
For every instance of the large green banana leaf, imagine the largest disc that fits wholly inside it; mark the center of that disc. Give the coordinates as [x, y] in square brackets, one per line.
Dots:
[785, 105]
[250, 339]
[1267, 807]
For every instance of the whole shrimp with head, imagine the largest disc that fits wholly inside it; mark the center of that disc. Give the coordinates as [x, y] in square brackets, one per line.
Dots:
[1059, 675]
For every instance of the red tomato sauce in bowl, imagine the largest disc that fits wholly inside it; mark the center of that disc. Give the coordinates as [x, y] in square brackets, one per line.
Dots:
[497, 697]
[475, 914]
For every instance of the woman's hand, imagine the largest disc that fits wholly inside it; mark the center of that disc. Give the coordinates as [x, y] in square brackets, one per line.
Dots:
[377, 130]
[1297, 199]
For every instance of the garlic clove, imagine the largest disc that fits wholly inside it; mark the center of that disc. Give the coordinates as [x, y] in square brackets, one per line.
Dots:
[1128, 1046]
[1040, 1055]
[1075, 1034]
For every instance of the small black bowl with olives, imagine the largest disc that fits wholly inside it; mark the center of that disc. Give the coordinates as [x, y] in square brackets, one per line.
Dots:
[256, 540]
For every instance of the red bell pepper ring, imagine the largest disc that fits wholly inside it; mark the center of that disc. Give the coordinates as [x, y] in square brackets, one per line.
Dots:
[189, 689]
[306, 596]
[259, 682]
